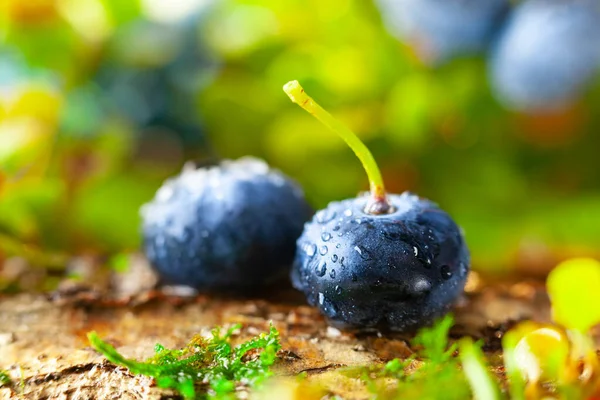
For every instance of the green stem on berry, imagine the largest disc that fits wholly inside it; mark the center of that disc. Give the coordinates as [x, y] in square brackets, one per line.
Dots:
[378, 204]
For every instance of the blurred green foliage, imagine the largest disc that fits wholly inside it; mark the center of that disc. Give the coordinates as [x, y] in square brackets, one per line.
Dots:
[80, 152]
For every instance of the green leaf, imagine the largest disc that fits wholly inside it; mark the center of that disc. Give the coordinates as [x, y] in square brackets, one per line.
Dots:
[475, 369]
[438, 376]
[513, 373]
[4, 378]
[120, 263]
[435, 340]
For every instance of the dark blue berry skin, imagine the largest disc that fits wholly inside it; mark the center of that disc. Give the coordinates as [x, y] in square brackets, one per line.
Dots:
[397, 271]
[547, 55]
[443, 29]
[230, 227]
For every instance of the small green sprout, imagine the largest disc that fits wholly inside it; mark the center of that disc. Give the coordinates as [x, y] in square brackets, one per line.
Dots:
[438, 376]
[474, 366]
[434, 341]
[208, 362]
[120, 262]
[4, 378]
[516, 382]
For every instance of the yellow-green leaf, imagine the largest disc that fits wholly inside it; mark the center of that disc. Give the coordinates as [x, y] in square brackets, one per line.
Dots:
[573, 287]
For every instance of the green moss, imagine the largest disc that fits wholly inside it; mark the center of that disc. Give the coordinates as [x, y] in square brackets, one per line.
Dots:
[211, 363]
[4, 378]
[433, 372]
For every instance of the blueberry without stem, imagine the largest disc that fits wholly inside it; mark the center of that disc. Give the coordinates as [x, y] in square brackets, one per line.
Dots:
[395, 271]
[229, 227]
[152, 73]
[547, 54]
[442, 29]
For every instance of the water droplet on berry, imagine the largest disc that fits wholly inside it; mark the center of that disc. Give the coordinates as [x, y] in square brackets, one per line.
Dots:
[253, 165]
[421, 286]
[336, 228]
[325, 236]
[323, 250]
[310, 249]
[337, 246]
[342, 262]
[348, 212]
[332, 274]
[334, 257]
[321, 269]
[362, 252]
[277, 180]
[446, 272]
[327, 306]
[338, 290]
[164, 194]
[324, 216]
[354, 278]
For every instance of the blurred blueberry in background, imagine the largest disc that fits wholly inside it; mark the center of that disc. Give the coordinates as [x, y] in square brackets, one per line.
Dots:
[152, 74]
[442, 29]
[547, 54]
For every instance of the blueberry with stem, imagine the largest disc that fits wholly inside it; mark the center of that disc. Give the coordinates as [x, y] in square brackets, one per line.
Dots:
[231, 227]
[378, 261]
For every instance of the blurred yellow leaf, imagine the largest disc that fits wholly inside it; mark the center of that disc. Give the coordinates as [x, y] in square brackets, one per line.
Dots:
[22, 141]
[29, 11]
[34, 101]
[29, 119]
[88, 17]
[542, 353]
[573, 289]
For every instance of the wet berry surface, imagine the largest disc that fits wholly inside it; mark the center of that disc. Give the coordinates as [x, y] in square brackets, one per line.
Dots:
[396, 271]
[228, 227]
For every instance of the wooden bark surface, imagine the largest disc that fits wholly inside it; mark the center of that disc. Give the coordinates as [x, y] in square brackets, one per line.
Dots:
[44, 348]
